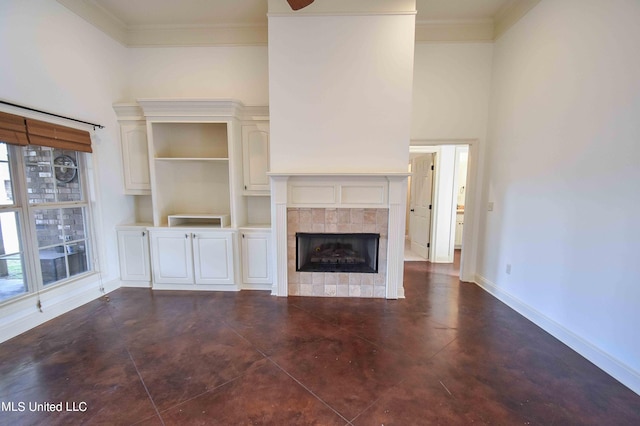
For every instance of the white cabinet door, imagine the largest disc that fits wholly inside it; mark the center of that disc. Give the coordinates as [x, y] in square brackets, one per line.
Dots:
[256, 262]
[459, 225]
[133, 251]
[213, 257]
[255, 156]
[172, 257]
[135, 158]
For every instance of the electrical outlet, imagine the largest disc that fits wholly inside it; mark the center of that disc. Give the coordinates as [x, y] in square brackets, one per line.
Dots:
[508, 269]
[490, 207]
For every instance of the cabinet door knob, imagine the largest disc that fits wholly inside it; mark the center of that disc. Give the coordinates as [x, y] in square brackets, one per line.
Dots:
[186, 235]
[144, 233]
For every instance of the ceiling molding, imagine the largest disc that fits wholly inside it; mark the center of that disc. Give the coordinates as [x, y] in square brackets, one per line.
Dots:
[170, 108]
[128, 111]
[341, 7]
[215, 35]
[426, 31]
[511, 13]
[157, 36]
[98, 17]
[475, 31]
[454, 31]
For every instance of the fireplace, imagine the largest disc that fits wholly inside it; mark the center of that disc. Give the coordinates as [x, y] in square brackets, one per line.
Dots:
[342, 206]
[333, 252]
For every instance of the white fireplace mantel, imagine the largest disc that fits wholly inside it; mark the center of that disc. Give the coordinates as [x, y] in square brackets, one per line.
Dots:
[340, 190]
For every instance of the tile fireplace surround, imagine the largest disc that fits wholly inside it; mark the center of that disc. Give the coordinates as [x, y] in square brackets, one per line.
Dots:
[341, 220]
[339, 203]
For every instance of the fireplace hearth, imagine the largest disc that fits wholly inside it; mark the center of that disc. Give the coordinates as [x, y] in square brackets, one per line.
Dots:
[337, 252]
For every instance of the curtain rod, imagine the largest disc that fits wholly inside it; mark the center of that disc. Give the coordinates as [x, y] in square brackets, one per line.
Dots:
[99, 126]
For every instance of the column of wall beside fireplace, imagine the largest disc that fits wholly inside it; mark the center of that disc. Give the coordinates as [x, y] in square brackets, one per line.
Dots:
[337, 220]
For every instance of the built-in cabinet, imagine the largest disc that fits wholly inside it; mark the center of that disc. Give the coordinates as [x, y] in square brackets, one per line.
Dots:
[256, 258]
[193, 257]
[255, 152]
[133, 248]
[207, 163]
[134, 149]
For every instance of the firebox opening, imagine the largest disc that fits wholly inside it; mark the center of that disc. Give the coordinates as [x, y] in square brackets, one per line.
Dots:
[328, 252]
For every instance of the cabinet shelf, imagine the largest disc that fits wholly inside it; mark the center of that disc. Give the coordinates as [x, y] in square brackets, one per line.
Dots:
[223, 160]
[199, 220]
[190, 140]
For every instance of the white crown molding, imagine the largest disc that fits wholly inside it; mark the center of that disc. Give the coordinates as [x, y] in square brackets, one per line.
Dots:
[98, 17]
[255, 113]
[511, 13]
[197, 35]
[128, 111]
[170, 108]
[340, 7]
[454, 31]
[257, 35]
[475, 31]
[167, 35]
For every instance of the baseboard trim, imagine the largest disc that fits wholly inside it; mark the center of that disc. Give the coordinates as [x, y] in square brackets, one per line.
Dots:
[266, 287]
[23, 314]
[195, 287]
[136, 284]
[612, 366]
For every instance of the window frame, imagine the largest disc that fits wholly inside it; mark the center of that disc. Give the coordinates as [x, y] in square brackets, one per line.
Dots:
[29, 244]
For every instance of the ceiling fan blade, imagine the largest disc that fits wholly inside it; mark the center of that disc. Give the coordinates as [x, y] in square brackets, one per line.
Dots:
[299, 4]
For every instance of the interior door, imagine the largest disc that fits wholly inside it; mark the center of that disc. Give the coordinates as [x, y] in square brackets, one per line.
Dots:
[420, 204]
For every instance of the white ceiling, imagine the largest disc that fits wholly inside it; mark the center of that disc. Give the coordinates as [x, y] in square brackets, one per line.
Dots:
[244, 22]
[252, 12]
[186, 12]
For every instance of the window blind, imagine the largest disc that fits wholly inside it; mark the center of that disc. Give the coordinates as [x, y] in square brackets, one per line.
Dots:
[13, 129]
[18, 130]
[55, 136]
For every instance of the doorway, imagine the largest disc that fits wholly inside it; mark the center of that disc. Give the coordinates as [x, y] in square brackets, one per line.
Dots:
[445, 227]
[420, 205]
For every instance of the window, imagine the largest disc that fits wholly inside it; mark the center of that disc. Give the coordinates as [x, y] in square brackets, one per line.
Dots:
[44, 218]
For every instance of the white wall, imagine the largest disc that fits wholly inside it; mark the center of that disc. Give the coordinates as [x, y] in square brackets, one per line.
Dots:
[451, 90]
[563, 172]
[199, 72]
[450, 105]
[340, 92]
[55, 61]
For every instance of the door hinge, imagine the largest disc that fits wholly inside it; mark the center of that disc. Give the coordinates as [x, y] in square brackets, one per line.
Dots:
[428, 245]
[430, 206]
[432, 167]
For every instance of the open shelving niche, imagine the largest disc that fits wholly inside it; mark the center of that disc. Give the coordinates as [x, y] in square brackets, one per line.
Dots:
[195, 147]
